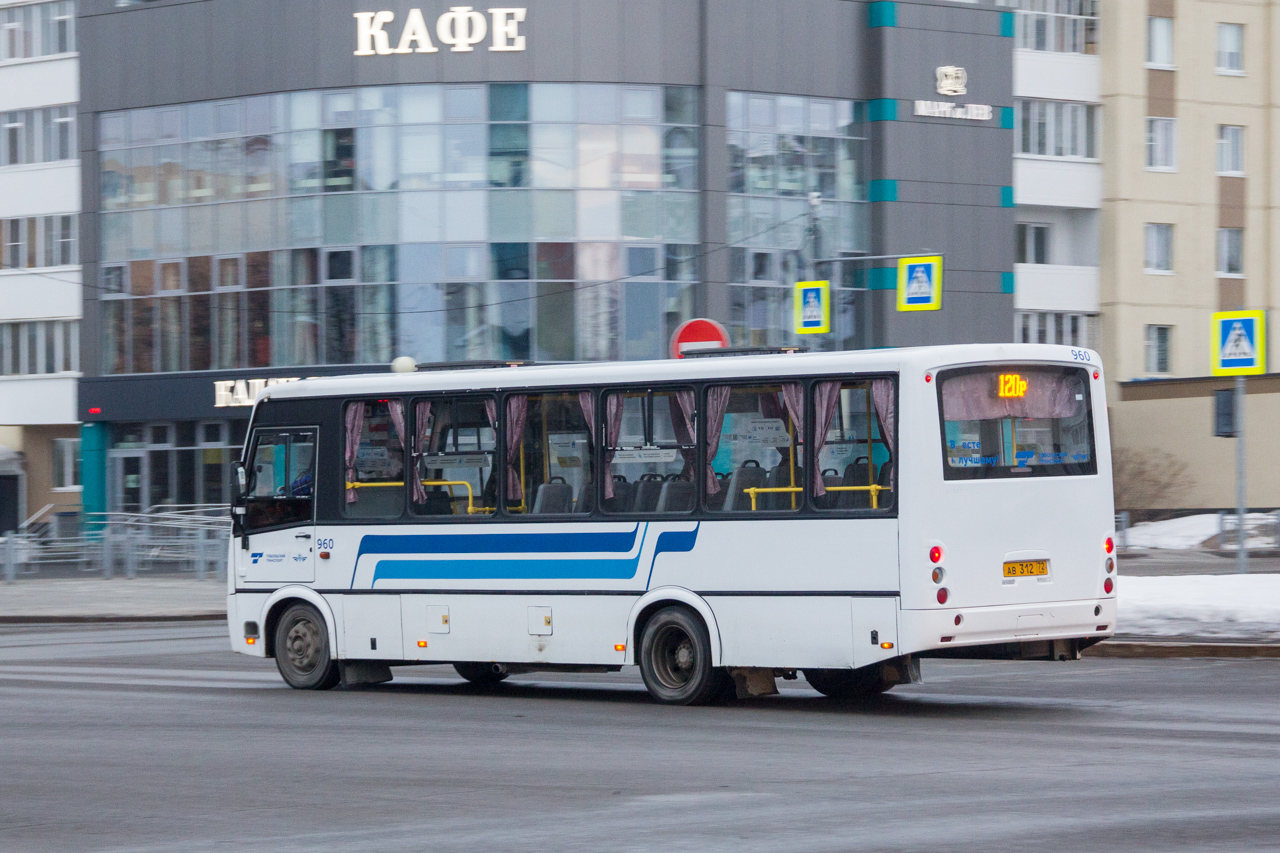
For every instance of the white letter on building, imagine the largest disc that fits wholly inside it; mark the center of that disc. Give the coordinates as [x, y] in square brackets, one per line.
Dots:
[415, 30]
[506, 29]
[370, 37]
[461, 27]
[222, 393]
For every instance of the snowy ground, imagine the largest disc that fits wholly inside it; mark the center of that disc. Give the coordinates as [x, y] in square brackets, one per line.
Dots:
[1215, 607]
[1191, 532]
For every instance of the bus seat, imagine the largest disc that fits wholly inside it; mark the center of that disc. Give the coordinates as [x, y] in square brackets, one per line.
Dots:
[621, 500]
[749, 476]
[715, 501]
[855, 474]
[645, 494]
[553, 497]
[677, 496]
[829, 500]
[586, 501]
[884, 477]
[780, 477]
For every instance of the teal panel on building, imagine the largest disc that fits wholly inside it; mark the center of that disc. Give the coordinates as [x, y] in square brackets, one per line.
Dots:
[884, 13]
[93, 466]
[883, 190]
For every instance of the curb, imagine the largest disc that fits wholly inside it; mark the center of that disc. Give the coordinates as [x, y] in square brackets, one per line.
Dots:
[1173, 649]
[78, 620]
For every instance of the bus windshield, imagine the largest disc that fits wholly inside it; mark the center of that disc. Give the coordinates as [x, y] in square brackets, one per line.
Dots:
[1016, 421]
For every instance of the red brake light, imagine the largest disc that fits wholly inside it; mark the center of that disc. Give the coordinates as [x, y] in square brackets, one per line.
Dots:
[935, 554]
[1109, 545]
[1097, 374]
[1108, 585]
[94, 410]
[942, 594]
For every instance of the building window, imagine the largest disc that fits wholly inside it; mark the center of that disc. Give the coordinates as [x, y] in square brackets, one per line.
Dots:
[66, 464]
[1162, 136]
[46, 241]
[1053, 327]
[1159, 42]
[1033, 244]
[1231, 251]
[1056, 128]
[1230, 48]
[37, 29]
[1159, 247]
[1230, 150]
[1158, 348]
[1064, 26]
[36, 347]
[37, 136]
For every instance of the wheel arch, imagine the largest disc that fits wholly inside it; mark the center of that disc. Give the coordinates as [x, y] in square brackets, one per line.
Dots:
[280, 600]
[653, 601]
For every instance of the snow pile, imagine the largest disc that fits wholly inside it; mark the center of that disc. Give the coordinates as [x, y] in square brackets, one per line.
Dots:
[1191, 531]
[1220, 607]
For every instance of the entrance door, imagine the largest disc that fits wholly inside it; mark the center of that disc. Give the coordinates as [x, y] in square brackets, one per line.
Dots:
[279, 516]
[8, 504]
[130, 490]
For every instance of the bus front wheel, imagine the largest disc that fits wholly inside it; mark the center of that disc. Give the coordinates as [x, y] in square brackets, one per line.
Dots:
[847, 683]
[675, 659]
[302, 649]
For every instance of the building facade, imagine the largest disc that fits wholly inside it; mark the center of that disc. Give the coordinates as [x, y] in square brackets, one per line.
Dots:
[1188, 228]
[284, 188]
[40, 283]
[1058, 173]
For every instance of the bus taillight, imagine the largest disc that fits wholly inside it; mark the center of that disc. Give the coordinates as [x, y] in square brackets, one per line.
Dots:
[942, 594]
[1109, 545]
[935, 554]
[1108, 585]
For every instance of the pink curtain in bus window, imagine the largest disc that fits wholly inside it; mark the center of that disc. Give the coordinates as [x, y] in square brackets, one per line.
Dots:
[421, 418]
[587, 401]
[613, 406]
[682, 424]
[793, 398]
[886, 411]
[717, 406]
[517, 408]
[826, 396]
[355, 425]
[975, 397]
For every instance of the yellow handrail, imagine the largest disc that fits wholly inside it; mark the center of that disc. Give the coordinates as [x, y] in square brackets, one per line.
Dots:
[471, 507]
[875, 490]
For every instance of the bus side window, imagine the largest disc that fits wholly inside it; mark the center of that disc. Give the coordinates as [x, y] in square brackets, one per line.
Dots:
[281, 479]
[755, 447]
[549, 452]
[650, 452]
[454, 446]
[373, 455]
[853, 444]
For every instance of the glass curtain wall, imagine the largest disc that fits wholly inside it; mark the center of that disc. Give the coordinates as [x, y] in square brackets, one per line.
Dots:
[443, 222]
[783, 151]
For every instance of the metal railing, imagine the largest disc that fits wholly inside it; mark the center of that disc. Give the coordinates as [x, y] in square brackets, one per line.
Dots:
[1261, 534]
[171, 539]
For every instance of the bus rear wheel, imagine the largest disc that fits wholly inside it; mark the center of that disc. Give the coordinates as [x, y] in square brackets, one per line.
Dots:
[861, 683]
[675, 659]
[481, 673]
[302, 649]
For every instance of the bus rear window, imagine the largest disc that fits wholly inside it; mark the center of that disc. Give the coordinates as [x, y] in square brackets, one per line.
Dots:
[1016, 421]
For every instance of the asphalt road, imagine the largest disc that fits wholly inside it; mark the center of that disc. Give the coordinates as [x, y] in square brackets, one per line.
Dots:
[156, 738]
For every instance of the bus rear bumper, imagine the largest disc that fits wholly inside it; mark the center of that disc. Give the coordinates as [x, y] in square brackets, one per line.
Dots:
[924, 630]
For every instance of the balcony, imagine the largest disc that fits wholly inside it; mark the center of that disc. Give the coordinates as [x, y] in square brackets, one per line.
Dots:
[1057, 182]
[1056, 287]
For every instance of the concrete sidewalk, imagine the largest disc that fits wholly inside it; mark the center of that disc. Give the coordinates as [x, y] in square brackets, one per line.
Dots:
[94, 599]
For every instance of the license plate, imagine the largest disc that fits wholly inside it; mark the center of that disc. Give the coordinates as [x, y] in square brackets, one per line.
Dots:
[1025, 568]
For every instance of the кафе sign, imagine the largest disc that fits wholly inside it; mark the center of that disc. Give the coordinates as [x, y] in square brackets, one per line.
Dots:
[461, 29]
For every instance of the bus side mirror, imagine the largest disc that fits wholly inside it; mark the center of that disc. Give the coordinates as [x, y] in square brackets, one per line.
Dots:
[242, 480]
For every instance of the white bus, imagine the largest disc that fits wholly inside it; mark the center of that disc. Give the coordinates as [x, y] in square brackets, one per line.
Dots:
[717, 521]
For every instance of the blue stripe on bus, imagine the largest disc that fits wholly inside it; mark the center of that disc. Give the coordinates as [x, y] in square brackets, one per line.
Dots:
[539, 569]
[500, 543]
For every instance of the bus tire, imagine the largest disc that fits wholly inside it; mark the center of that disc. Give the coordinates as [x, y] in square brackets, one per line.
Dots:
[861, 683]
[481, 673]
[302, 649]
[675, 659]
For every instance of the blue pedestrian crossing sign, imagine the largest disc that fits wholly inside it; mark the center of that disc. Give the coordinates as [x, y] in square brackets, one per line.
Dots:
[920, 283]
[812, 307]
[1239, 343]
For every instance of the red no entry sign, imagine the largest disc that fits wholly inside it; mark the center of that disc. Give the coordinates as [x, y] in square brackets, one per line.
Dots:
[698, 334]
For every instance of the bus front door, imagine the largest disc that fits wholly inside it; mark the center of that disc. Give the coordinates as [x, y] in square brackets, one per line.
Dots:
[279, 507]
